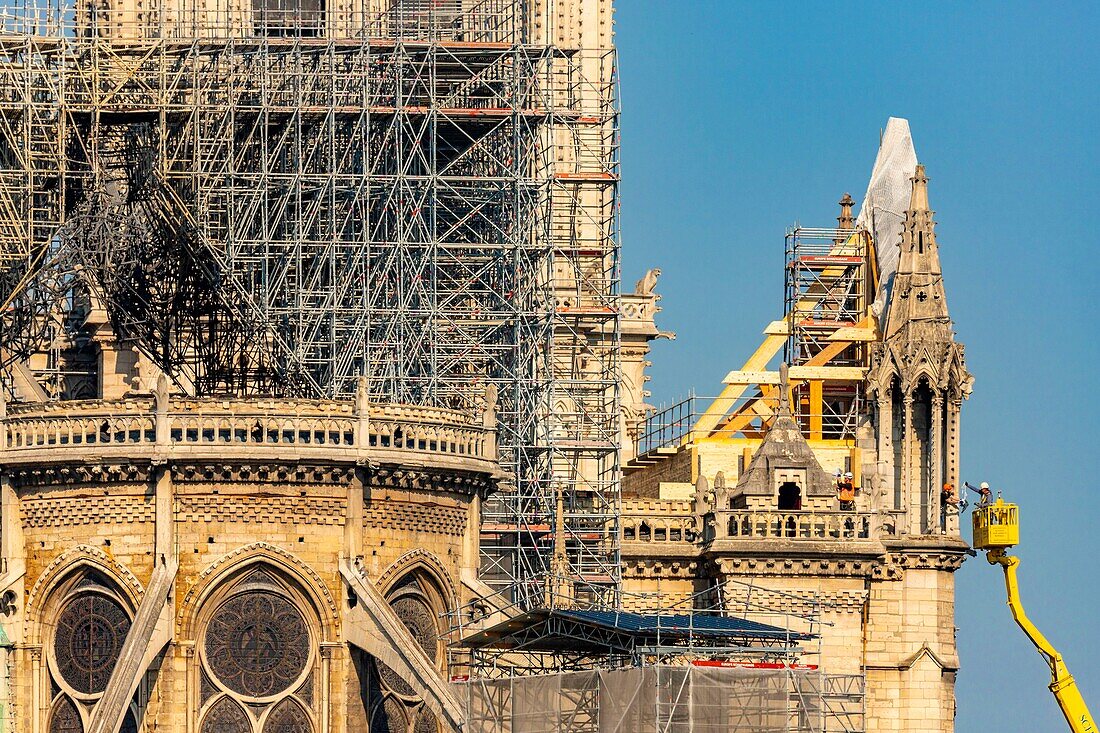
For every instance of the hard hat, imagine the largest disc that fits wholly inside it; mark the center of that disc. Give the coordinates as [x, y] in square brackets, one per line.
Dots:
[837, 473]
[984, 485]
[848, 474]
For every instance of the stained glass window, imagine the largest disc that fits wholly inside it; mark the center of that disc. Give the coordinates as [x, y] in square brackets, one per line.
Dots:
[226, 716]
[288, 717]
[91, 630]
[257, 644]
[65, 717]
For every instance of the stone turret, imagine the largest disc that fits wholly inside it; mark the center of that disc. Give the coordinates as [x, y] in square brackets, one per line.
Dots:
[918, 376]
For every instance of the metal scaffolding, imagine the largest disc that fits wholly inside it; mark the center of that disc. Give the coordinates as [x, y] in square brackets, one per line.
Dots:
[284, 197]
[828, 287]
[733, 657]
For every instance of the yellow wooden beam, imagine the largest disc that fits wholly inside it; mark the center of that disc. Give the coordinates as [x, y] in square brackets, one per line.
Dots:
[852, 333]
[778, 328]
[754, 408]
[717, 409]
[830, 373]
[816, 404]
[743, 377]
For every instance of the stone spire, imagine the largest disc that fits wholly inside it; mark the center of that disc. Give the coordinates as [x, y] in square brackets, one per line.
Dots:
[918, 375]
[918, 300]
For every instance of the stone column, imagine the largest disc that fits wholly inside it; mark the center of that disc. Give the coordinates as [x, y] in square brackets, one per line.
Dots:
[911, 507]
[954, 410]
[935, 509]
[886, 447]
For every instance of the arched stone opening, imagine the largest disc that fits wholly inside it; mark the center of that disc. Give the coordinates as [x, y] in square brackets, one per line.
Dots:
[257, 662]
[85, 619]
[389, 702]
[790, 497]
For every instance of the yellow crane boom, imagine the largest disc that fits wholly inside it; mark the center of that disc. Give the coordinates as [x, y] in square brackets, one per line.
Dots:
[996, 528]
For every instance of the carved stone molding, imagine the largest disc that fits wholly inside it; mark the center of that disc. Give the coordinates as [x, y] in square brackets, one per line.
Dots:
[298, 510]
[651, 568]
[946, 561]
[797, 567]
[413, 560]
[842, 601]
[310, 581]
[66, 562]
[43, 512]
[260, 472]
[402, 477]
[413, 517]
[74, 475]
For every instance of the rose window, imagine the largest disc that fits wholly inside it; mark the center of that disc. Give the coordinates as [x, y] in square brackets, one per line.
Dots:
[91, 626]
[90, 633]
[257, 644]
[257, 659]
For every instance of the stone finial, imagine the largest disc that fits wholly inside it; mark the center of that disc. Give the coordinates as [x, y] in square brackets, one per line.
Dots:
[489, 415]
[701, 491]
[918, 200]
[784, 391]
[362, 397]
[846, 220]
[161, 393]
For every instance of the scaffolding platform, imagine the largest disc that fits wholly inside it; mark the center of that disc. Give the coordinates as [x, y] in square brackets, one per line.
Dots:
[633, 634]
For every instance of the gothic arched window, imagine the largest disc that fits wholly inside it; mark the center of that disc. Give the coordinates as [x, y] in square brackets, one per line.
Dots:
[257, 653]
[92, 621]
[394, 705]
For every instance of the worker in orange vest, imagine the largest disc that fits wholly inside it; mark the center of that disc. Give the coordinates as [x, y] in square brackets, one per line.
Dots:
[846, 491]
[949, 499]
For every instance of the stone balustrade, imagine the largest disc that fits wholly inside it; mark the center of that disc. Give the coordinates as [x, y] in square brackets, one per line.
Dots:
[821, 526]
[660, 526]
[188, 426]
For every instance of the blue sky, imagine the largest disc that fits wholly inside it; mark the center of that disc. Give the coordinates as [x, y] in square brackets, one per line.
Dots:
[741, 118]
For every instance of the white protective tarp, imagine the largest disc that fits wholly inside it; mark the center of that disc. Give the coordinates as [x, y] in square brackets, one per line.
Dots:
[887, 198]
[659, 698]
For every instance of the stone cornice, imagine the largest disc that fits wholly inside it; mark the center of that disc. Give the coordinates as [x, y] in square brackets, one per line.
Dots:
[667, 568]
[828, 567]
[258, 473]
[80, 474]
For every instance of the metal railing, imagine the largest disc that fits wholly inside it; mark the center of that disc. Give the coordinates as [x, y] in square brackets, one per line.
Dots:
[671, 427]
[480, 21]
[668, 427]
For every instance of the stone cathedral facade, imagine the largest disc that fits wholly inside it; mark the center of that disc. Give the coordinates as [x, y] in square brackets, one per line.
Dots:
[237, 566]
[253, 564]
[743, 504]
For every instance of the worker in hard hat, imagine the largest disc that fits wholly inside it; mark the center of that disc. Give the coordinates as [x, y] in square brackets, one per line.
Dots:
[984, 493]
[948, 496]
[949, 502]
[846, 491]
